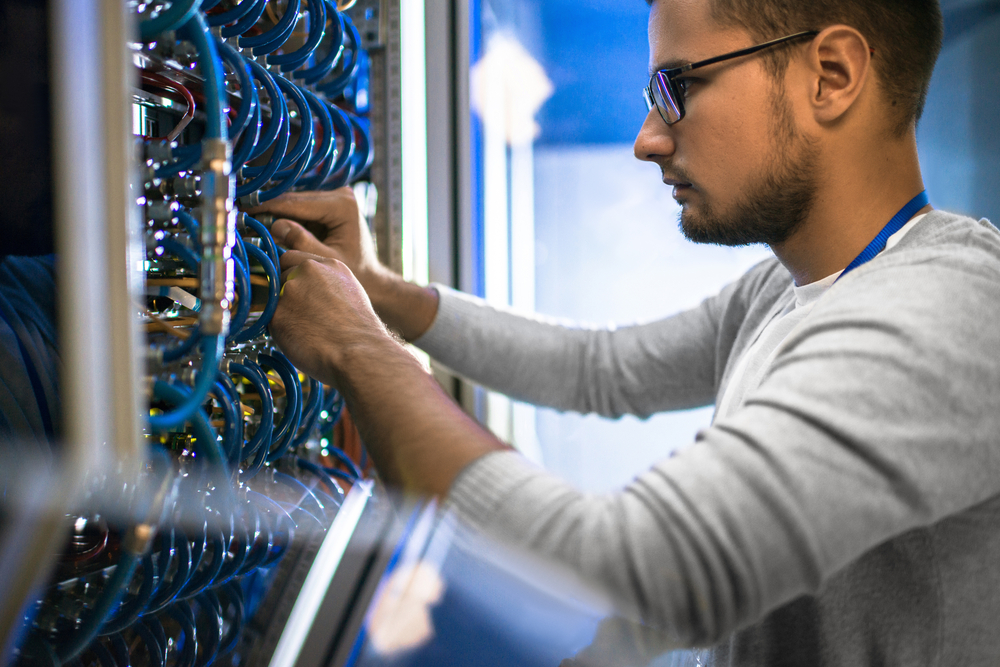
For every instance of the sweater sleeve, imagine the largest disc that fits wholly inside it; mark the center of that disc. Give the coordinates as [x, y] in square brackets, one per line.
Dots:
[671, 364]
[878, 416]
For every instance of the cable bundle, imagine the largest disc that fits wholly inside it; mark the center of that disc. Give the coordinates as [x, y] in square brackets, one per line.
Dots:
[259, 87]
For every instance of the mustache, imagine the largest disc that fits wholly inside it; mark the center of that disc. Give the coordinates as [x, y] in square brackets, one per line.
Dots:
[675, 174]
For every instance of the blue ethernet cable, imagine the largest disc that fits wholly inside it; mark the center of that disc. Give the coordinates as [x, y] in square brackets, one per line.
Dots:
[248, 99]
[336, 86]
[192, 228]
[206, 575]
[107, 601]
[196, 31]
[248, 140]
[232, 15]
[266, 239]
[337, 162]
[256, 328]
[325, 65]
[248, 21]
[231, 416]
[320, 471]
[154, 647]
[240, 276]
[289, 424]
[189, 645]
[326, 147]
[318, 510]
[272, 39]
[189, 406]
[279, 110]
[130, 610]
[310, 414]
[179, 250]
[177, 14]
[317, 29]
[168, 592]
[261, 438]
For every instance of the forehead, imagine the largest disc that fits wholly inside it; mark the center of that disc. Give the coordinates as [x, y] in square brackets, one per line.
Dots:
[683, 31]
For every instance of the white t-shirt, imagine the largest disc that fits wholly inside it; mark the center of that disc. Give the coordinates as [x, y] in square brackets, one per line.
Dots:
[758, 358]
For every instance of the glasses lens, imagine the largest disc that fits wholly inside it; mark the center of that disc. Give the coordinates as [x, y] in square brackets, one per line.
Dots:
[647, 97]
[668, 103]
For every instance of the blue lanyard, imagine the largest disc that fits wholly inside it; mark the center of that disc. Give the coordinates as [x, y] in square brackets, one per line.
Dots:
[878, 243]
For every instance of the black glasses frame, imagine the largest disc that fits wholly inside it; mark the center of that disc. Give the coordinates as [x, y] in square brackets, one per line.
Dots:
[664, 93]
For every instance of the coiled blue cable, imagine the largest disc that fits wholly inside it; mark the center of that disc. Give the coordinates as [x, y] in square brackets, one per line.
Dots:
[240, 275]
[209, 649]
[179, 250]
[262, 437]
[346, 460]
[310, 413]
[286, 428]
[325, 65]
[248, 99]
[196, 31]
[192, 228]
[336, 86]
[279, 110]
[168, 592]
[248, 140]
[234, 14]
[306, 495]
[317, 29]
[324, 148]
[337, 164]
[189, 409]
[107, 601]
[209, 570]
[189, 643]
[231, 445]
[272, 39]
[133, 607]
[153, 645]
[186, 157]
[172, 18]
[248, 21]
[327, 479]
[300, 154]
[234, 597]
[265, 236]
[256, 328]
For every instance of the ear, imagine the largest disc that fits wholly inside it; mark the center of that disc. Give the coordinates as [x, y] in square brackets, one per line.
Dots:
[839, 62]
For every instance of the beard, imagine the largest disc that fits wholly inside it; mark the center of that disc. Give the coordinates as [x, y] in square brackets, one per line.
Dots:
[776, 204]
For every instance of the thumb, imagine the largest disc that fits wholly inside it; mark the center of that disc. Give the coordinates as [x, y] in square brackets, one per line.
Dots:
[294, 236]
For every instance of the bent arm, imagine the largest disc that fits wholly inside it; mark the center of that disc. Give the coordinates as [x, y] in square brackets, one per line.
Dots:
[858, 434]
[671, 364]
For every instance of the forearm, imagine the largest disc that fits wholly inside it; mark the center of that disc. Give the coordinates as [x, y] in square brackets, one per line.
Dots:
[419, 439]
[406, 308]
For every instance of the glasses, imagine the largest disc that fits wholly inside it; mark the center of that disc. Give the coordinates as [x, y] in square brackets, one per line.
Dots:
[667, 93]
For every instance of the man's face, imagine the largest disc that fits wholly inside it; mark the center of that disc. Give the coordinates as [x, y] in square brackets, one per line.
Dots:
[740, 169]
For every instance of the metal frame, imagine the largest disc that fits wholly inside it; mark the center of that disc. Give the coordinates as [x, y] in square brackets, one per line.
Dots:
[92, 167]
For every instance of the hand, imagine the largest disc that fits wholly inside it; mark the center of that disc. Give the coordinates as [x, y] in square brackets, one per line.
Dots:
[322, 315]
[328, 224]
[335, 218]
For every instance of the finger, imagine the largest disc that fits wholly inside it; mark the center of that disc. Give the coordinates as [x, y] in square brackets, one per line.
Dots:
[294, 236]
[292, 258]
[310, 206]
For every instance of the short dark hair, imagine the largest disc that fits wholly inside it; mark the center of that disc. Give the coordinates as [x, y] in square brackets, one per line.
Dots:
[906, 35]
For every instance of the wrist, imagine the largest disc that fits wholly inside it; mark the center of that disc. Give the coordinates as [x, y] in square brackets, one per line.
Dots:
[406, 308]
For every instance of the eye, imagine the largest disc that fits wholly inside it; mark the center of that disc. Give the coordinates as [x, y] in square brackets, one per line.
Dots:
[683, 85]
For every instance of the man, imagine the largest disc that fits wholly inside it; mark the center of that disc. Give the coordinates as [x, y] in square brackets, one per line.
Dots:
[843, 508]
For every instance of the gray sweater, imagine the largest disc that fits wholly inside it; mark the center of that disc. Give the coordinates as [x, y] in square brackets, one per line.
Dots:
[847, 514]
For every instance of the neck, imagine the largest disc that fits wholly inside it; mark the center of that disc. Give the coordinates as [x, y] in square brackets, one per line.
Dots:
[856, 199]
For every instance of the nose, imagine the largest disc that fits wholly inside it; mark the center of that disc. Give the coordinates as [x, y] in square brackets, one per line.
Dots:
[655, 140]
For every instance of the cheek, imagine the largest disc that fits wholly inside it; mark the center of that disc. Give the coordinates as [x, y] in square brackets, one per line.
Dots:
[733, 143]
